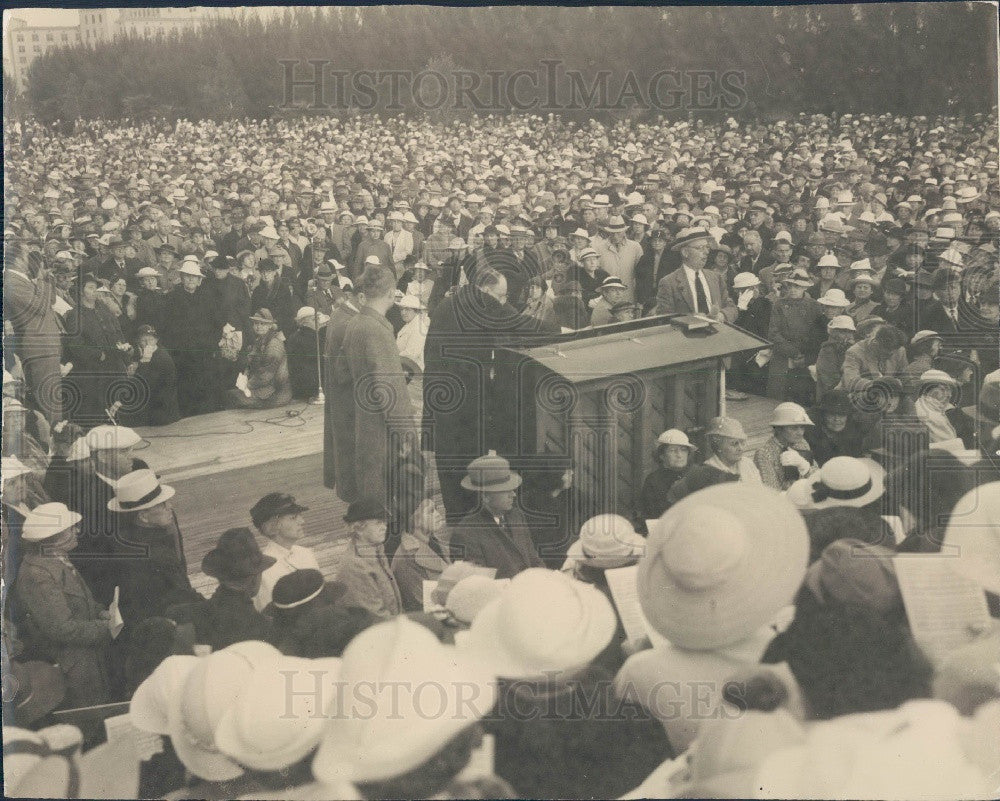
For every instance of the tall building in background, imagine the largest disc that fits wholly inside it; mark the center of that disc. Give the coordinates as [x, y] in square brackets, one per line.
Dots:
[25, 42]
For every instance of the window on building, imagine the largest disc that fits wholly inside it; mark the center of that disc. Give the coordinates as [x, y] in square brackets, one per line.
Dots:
[20, 37]
[34, 37]
[20, 49]
[37, 49]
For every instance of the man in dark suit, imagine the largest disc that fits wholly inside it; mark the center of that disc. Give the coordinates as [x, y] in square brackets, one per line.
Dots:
[338, 419]
[495, 534]
[693, 289]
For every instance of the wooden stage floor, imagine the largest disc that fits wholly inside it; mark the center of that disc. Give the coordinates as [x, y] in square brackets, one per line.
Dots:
[221, 463]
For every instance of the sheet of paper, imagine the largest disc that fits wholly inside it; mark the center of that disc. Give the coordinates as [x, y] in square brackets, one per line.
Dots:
[945, 610]
[622, 582]
[119, 729]
[763, 357]
[60, 306]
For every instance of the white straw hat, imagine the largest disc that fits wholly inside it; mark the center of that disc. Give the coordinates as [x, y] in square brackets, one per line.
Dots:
[46, 520]
[607, 541]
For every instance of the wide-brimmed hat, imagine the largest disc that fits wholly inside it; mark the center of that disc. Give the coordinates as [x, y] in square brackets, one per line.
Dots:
[471, 595]
[687, 236]
[490, 473]
[607, 541]
[726, 427]
[674, 436]
[147, 272]
[138, 490]
[212, 685]
[107, 437]
[932, 377]
[12, 468]
[47, 520]
[544, 622]
[745, 281]
[842, 481]
[270, 725]
[613, 282]
[263, 316]
[720, 564]
[789, 414]
[410, 302]
[236, 556]
[615, 224]
[923, 335]
[799, 278]
[851, 572]
[973, 535]
[150, 707]
[400, 728]
[834, 297]
[842, 322]
[191, 268]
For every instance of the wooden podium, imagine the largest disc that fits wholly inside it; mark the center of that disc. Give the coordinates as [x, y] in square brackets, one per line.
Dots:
[600, 397]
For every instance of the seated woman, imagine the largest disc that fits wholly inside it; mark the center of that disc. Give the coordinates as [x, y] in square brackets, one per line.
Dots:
[422, 555]
[57, 617]
[267, 381]
[833, 435]
[673, 453]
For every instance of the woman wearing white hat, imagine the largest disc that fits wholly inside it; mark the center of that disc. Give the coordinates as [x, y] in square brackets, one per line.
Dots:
[786, 456]
[830, 359]
[56, 615]
[13, 509]
[411, 337]
[673, 455]
[559, 730]
[937, 390]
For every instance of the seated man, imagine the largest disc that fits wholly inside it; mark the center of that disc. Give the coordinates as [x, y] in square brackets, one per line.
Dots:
[495, 534]
[279, 518]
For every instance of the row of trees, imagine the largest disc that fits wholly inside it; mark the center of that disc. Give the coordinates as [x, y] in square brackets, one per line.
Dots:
[905, 57]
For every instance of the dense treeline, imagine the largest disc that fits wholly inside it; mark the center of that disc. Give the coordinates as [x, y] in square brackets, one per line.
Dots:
[908, 58]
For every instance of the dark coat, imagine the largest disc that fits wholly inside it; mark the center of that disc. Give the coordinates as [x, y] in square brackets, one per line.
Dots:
[791, 324]
[302, 347]
[478, 539]
[151, 583]
[59, 621]
[97, 378]
[27, 305]
[150, 309]
[159, 389]
[825, 444]
[580, 741]
[555, 522]
[382, 400]
[649, 270]
[338, 420]
[653, 500]
[278, 298]
[232, 303]
[189, 323]
[227, 617]
[588, 283]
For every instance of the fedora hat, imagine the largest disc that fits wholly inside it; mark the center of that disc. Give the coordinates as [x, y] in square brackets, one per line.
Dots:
[545, 621]
[138, 490]
[47, 520]
[269, 726]
[490, 473]
[789, 414]
[687, 236]
[236, 556]
[607, 541]
[615, 224]
[581, 233]
[842, 481]
[213, 684]
[613, 282]
[720, 564]
[387, 664]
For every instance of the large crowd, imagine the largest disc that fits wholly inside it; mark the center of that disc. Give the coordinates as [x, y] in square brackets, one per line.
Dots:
[157, 271]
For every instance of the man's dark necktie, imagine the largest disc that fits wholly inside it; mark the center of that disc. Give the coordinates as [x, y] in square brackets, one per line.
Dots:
[699, 293]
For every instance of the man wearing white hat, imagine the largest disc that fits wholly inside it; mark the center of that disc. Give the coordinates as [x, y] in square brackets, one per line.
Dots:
[155, 576]
[692, 289]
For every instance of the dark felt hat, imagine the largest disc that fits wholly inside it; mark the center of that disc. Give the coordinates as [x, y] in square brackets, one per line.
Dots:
[236, 556]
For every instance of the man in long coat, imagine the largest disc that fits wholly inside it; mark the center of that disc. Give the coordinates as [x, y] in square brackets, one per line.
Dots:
[27, 304]
[463, 410]
[382, 408]
[338, 421]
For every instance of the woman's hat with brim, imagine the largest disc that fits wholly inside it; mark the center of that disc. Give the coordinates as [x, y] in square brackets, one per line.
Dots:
[270, 726]
[842, 481]
[834, 297]
[191, 268]
[674, 436]
[544, 622]
[47, 520]
[150, 707]
[607, 541]
[937, 377]
[138, 490]
[789, 414]
[213, 684]
[12, 467]
[236, 556]
[973, 535]
[745, 281]
[397, 667]
[490, 473]
[263, 316]
[720, 564]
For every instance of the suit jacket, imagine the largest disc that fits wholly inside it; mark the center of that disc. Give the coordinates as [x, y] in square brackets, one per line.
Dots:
[227, 617]
[673, 295]
[159, 375]
[479, 539]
